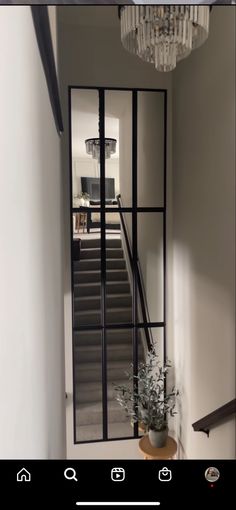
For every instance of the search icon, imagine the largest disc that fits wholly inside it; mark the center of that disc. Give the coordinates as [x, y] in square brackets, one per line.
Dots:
[70, 474]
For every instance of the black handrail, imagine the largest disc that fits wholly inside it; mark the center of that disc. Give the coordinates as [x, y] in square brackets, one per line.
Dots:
[142, 294]
[204, 424]
[44, 39]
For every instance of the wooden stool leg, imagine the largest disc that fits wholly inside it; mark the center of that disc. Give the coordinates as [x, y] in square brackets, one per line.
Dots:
[78, 222]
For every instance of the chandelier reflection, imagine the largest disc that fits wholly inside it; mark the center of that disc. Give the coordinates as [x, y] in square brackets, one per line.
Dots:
[93, 147]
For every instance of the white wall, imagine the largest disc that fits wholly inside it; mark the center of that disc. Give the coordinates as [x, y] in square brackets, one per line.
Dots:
[126, 156]
[151, 149]
[204, 231]
[151, 193]
[31, 255]
[104, 63]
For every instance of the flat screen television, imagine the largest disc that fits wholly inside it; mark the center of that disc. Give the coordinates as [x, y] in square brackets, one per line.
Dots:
[91, 185]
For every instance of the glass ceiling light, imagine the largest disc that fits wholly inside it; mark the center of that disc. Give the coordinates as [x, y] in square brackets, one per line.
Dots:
[163, 34]
[93, 147]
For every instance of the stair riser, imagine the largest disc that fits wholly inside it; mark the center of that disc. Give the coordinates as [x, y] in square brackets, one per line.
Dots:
[83, 396]
[94, 338]
[114, 253]
[95, 290]
[86, 418]
[92, 265]
[80, 277]
[94, 277]
[81, 319]
[93, 375]
[96, 243]
[95, 356]
[95, 303]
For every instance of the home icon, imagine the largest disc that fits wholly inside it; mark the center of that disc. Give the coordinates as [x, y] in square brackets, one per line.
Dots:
[23, 476]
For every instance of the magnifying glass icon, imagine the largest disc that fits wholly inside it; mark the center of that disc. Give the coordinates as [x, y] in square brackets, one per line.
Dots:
[70, 474]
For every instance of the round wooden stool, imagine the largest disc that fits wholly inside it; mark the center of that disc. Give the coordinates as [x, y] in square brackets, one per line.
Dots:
[149, 452]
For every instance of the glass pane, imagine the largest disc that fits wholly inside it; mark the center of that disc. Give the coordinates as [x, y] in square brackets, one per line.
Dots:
[119, 360]
[87, 277]
[118, 268]
[147, 336]
[85, 146]
[118, 135]
[150, 149]
[88, 385]
[150, 254]
[156, 337]
[120, 373]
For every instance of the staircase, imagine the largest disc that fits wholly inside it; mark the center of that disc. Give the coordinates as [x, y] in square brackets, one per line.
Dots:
[88, 349]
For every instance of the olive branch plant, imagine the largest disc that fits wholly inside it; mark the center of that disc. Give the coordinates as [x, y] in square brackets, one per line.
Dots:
[145, 398]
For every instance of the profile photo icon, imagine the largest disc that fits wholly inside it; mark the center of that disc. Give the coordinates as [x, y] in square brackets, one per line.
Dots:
[212, 474]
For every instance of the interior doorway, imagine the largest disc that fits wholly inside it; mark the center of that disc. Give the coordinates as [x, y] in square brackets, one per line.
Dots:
[118, 249]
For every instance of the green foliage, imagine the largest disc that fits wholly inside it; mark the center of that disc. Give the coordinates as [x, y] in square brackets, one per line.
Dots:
[84, 195]
[144, 398]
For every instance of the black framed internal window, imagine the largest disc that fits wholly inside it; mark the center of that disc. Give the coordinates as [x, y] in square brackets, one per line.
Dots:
[118, 144]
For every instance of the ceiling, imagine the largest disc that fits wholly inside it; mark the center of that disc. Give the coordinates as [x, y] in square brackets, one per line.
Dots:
[90, 15]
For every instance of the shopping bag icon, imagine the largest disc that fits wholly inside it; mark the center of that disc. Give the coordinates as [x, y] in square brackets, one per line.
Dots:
[165, 475]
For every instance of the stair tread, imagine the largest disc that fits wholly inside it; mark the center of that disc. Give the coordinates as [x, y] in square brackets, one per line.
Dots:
[93, 365]
[93, 337]
[95, 243]
[97, 260]
[98, 270]
[113, 296]
[112, 310]
[94, 385]
[90, 413]
[112, 347]
[97, 406]
[111, 332]
[98, 284]
[91, 432]
[93, 248]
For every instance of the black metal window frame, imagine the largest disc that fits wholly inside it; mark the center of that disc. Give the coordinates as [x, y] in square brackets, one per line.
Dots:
[134, 210]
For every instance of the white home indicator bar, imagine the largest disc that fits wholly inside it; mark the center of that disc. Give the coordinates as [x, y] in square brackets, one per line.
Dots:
[118, 503]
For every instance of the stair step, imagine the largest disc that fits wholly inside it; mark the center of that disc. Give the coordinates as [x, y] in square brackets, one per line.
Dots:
[121, 336]
[92, 372]
[92, 391]
[113, 316]
[93, 432]
[95, 276]
[93, 353]
[94, 289]
[90, 413]
[96, 243]
[95, 264]
[95, 253]
[94, 302]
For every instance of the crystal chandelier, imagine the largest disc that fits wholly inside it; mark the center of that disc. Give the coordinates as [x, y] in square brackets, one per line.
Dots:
[163, 34]
[93, 147]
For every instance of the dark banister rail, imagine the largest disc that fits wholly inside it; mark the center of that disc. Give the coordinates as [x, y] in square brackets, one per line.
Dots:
[213, 418]
[44, 39]
[141, 291]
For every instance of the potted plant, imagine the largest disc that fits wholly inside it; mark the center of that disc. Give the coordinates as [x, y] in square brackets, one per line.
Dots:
[146, 400]
[84, 199]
